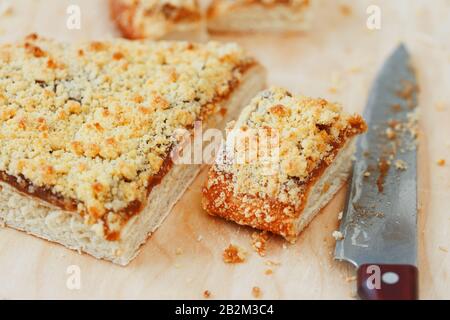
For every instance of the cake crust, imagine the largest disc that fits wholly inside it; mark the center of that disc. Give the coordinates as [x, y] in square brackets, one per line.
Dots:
[311, 135]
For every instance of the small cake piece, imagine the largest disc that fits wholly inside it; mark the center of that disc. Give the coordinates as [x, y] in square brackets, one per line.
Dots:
[234, 254]
[87, 130]
[259, 15]
[271, 172]
[158, 19]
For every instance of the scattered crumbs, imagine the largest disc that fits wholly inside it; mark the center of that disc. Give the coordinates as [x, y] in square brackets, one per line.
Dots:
[233, 254]
[441, 162]
[206, 294]
[340, 215]
[259, 240]
[178, 251]
[271, 263]
[337, 235]
[443, 249]
[6, 8]
[401, 165]
[390, 134]
[285, 246]
[367, 174]
[396, 107]
[199, 238]
[336, 82]
[268, 272]
[2, 223]
[407, 91]
[383, 166]
[345, 10]
[333, 90]
[355, 69]
[256, 292]
[439, 106]
[412, 123]
[350, 279]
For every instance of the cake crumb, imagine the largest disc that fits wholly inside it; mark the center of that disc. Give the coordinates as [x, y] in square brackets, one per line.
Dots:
[401, 165]
[2, 223]
[350, 279]
[256, 292]
[199, 238]
[345, 10]
[233, 254]
[441, 162]
[390, 134]
[337, 235]
[333, 90]
[206, 294]
[340, 215]
[440, 106]
[367, 174]
[271, 263]
[443, 249]
[268, 272]
[178, 251]
[259, 240]
[6, 9]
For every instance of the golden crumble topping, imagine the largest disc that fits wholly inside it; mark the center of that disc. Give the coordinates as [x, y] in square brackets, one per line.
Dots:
[306, 132]
[94, 122]
[153, 18]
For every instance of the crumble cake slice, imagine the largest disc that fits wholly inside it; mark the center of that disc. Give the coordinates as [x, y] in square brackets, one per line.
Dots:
[290, 178]
[86, 132]
[156, 19]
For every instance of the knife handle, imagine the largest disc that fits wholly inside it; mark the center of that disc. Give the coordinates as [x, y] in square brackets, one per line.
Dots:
[387, 282]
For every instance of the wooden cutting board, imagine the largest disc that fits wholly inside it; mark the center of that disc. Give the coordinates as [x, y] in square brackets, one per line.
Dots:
[337, 60]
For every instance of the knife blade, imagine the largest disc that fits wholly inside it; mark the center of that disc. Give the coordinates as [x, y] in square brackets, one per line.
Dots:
[379, 224]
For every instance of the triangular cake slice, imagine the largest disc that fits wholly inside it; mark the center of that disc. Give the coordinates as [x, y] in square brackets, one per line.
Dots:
[284, 159]
[86, 133]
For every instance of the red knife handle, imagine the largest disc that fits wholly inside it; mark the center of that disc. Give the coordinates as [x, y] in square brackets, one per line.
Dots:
[387, 282]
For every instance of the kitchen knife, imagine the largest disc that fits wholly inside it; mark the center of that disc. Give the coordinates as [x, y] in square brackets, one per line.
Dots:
[379, 223]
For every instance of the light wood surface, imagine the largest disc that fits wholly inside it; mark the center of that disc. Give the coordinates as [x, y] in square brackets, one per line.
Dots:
[337, 60]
